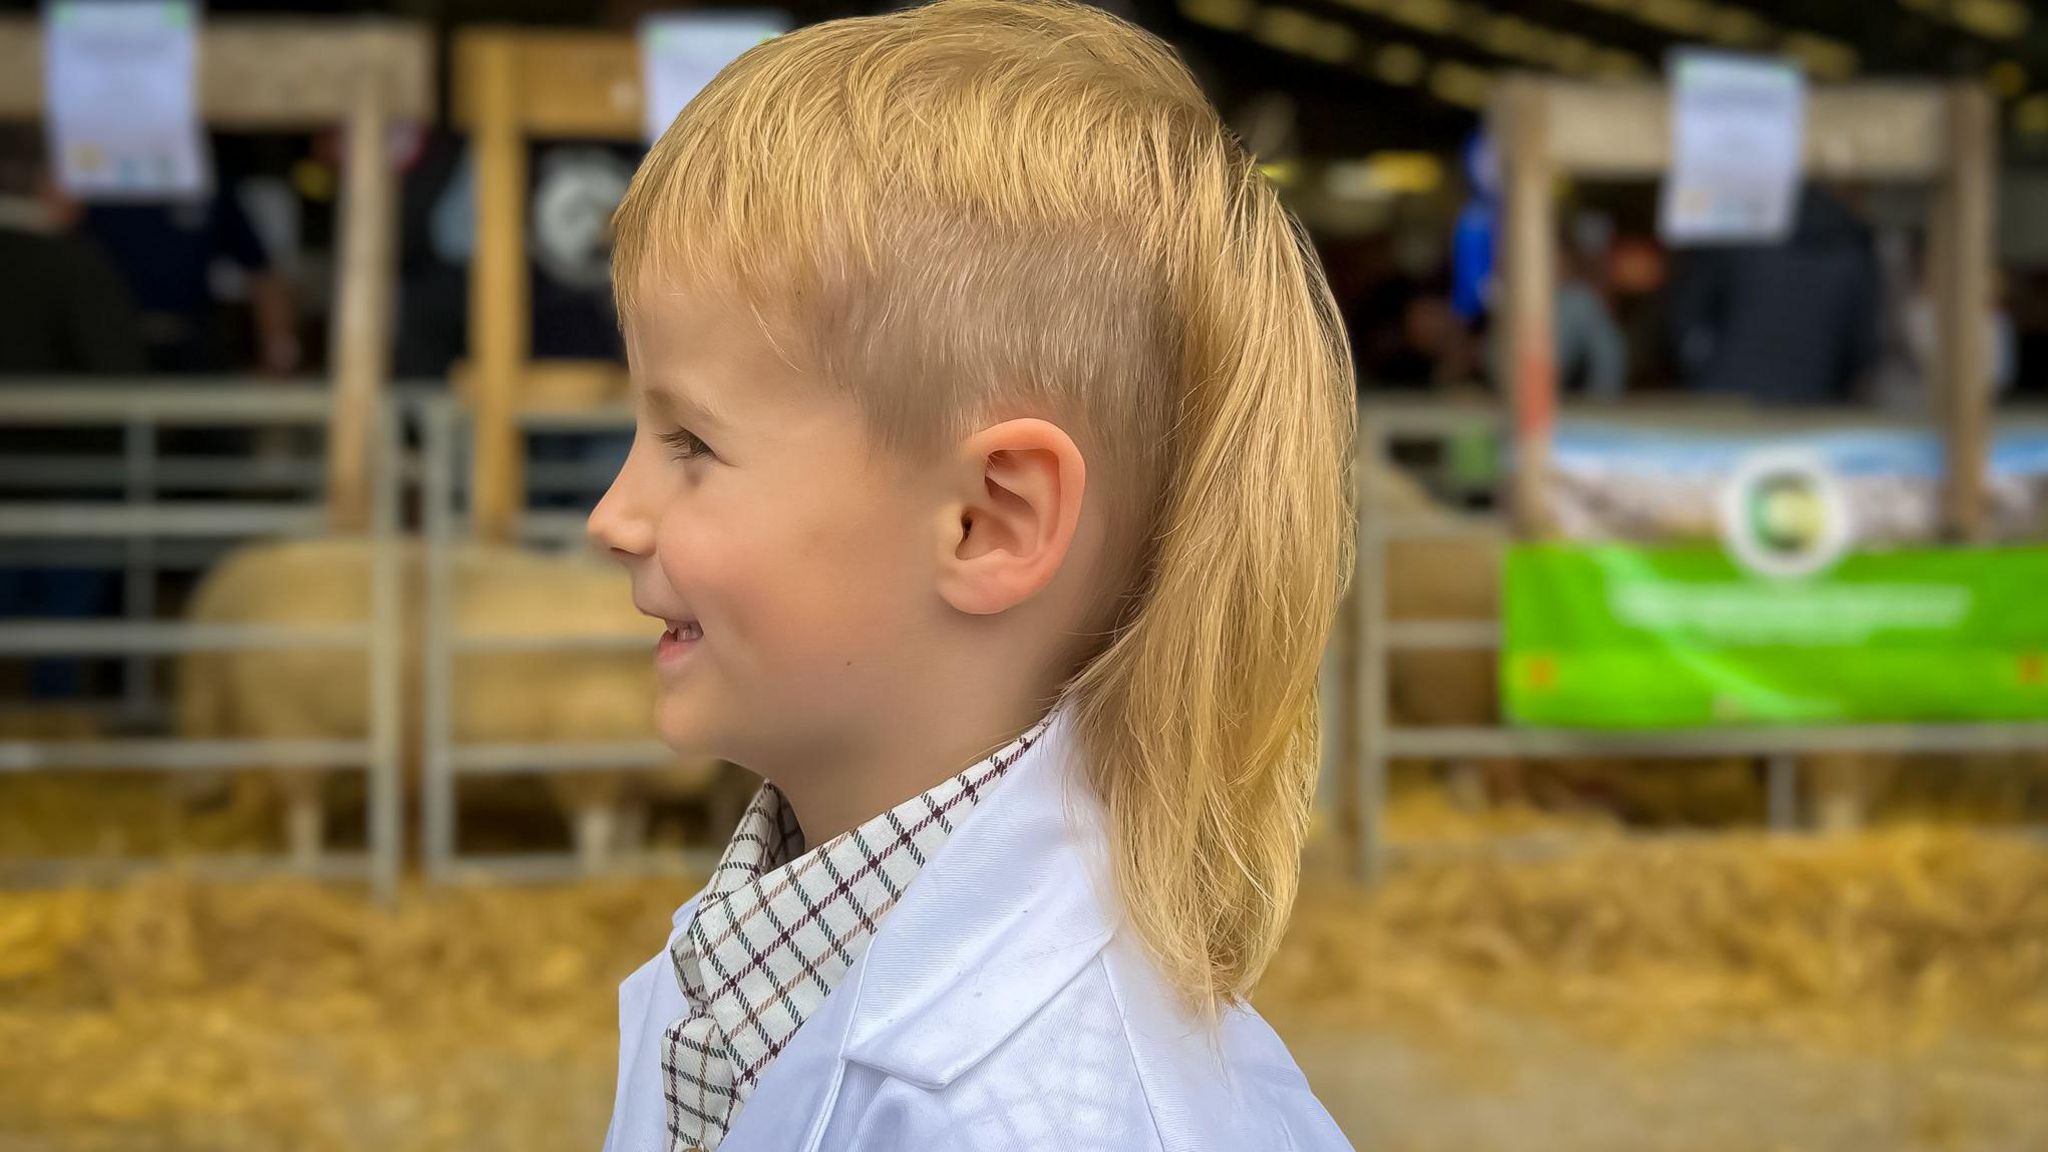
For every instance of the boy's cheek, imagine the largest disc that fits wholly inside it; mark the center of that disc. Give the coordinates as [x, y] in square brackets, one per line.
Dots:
[820, 637]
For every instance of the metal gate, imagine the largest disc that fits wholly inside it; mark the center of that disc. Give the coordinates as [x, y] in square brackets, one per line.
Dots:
[448, 761]
[141, 531]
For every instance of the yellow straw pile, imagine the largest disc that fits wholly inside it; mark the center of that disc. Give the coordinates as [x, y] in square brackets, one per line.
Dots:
[282, 1014]
[1896, 934]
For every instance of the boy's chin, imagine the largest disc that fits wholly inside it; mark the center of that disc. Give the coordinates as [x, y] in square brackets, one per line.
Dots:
[681, 726]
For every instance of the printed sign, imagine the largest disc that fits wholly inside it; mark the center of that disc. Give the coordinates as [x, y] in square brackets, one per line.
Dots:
[681, 51]
[1738, 124]
[119, 89]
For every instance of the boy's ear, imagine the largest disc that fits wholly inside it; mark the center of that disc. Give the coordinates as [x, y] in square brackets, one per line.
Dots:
[1013, 517]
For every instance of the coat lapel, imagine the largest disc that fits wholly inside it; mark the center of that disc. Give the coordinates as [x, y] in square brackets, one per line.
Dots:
[1006, 915]
[998, 921]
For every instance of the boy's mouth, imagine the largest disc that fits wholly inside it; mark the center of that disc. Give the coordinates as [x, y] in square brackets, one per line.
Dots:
[673, 650]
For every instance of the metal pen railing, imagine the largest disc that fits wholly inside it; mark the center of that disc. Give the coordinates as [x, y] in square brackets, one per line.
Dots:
[449, 761]
[137, 526]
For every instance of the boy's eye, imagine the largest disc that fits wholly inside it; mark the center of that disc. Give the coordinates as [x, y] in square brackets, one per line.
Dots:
[685, 444]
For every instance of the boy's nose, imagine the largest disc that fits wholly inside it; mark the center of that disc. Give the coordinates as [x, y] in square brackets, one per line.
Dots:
[617, 526]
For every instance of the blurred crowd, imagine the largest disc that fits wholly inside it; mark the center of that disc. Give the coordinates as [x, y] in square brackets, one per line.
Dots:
[1841, 313]
[124, 289]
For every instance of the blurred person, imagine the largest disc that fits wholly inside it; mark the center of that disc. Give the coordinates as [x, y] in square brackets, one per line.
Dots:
[1425, 347]
[993, 427]
[1792, 323]
[63, 308]
[2029, 306]
[63, 311]
[1911, 363]
[167, 253]
[1592, 354]
[1407, 335]
[1474, 236]
[1637, 294]
[1923, 337]
[574, 189]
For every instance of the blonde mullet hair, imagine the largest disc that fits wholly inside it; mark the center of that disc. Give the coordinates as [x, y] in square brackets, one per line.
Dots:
[985, 208]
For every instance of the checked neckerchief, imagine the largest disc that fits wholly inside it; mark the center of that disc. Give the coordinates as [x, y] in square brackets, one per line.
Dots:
[778, 926]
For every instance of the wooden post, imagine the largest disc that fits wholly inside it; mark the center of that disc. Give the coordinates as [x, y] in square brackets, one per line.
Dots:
[1960, 253]
[500, 338]
[1527, 284]
[361, 328]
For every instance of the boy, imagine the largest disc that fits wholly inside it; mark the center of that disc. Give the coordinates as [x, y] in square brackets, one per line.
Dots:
[990, 475]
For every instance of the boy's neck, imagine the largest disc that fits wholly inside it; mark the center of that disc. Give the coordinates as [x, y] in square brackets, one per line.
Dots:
[898, 758]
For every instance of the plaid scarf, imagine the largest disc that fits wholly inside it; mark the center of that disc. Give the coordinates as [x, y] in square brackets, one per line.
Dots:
[778, 926]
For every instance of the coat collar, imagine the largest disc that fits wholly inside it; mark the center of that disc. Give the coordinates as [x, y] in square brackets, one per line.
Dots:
[998, 921]
[1001, 919]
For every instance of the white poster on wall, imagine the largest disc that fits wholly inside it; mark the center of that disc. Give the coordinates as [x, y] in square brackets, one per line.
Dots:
[119, 93]
[681, 51]
[1738, 126]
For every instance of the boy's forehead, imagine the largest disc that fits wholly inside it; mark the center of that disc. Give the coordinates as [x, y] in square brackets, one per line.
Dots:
[672, 331]
[716, 323]
[690, 322]
[710, 359]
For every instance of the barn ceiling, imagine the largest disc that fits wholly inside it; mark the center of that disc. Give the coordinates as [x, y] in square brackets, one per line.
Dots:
[1367, 75]
[1375, 74]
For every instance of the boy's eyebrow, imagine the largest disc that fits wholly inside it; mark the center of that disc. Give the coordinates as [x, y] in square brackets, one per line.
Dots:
[664, 397]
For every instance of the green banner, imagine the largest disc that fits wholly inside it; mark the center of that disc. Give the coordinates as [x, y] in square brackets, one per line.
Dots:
[1617, 636]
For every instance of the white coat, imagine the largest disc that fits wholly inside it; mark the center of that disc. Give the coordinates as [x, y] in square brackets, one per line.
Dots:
[999, 1006]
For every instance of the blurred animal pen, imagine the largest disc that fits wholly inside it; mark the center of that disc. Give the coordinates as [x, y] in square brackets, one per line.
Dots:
[557, 641]
[142, 523]
[261, 75]
[1397, 630]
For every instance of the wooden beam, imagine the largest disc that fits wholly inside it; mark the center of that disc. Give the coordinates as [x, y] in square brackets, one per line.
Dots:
[1866, 131]
[584, 85]
[361, 329]
[500, 336]
[1960, 253]
[1522, 119]
[555, 385]
[275, 74]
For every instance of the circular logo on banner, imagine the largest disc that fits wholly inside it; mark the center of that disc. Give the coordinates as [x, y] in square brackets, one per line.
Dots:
[1783, 515]
[572, 212]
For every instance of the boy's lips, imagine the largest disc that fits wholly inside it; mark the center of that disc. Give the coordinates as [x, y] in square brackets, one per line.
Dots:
[674, 622]
[676, 643]
[679, 636]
